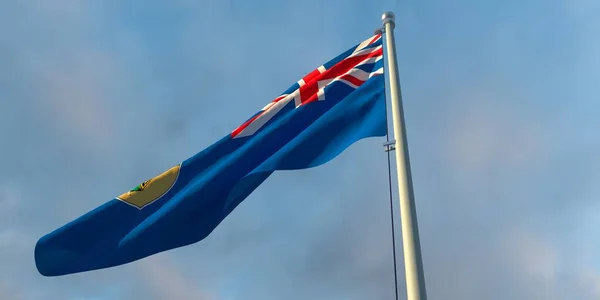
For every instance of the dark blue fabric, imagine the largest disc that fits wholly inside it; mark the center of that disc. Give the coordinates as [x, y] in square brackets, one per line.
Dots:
[213, 182]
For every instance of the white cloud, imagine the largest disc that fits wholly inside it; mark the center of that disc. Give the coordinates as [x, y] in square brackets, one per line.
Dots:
[9, 200]
[532, 255]
[158, 278]
[482, 133]
[75, 95]
[66, 81]
[589, 281]
[9, 293]
[12, 238]
[547, 270]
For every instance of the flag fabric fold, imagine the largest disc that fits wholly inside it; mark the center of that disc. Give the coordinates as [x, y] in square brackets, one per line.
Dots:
[312, 122]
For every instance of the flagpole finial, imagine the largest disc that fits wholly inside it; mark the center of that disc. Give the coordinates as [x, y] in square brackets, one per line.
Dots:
[388, 17]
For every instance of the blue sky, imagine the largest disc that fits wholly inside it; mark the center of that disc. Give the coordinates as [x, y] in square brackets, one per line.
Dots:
[501, 105]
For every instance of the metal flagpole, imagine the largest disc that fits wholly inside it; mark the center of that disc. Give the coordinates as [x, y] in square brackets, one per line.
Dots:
[413, 263]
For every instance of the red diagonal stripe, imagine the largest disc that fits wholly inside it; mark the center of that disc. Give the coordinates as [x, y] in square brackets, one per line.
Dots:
[310, 76]
[375, 38]
[355, 81]
[278, 99]
[246, 124]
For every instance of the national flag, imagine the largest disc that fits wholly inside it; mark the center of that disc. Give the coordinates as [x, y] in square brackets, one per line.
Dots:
[312, 122]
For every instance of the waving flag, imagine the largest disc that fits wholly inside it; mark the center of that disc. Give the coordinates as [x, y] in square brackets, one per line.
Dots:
[316, 119]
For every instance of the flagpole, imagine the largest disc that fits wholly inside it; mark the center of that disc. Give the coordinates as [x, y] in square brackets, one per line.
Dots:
[413, 263]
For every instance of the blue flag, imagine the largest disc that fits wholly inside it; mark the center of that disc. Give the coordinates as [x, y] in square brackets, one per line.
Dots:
[316, 119]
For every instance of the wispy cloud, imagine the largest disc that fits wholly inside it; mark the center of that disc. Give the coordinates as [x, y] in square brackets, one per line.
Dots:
[487, 135]
[158, 278]
[9, 200]
[9, 293]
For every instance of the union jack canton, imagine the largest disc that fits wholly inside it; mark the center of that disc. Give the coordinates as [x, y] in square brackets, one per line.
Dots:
[353, 68]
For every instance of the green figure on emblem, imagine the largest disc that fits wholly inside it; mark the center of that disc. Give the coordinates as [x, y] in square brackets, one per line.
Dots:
[140, 187]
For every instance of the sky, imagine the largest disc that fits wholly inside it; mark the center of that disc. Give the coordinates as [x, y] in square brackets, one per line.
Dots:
[501, 105]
